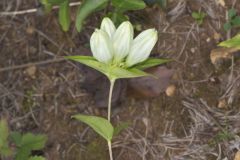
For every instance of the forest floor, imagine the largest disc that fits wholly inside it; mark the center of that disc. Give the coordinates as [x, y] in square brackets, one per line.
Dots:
[198, 118]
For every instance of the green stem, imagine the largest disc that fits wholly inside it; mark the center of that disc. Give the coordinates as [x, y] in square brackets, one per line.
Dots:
[110, 150]
[112, 81]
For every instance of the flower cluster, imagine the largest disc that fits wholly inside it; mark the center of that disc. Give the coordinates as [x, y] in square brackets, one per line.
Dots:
[117, 46]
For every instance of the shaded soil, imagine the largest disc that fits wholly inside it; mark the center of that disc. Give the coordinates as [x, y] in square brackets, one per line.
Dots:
[42, 96]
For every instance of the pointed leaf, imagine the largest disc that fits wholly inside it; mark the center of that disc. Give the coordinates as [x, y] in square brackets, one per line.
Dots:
[86, 8]
[117, 73]
[102, 126]
[151, 62]
[234, 42]
[125, 5]
[64, 15]
[91, 62]
[112, 72]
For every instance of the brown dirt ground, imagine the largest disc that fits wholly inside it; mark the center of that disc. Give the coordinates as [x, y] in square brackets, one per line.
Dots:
[41, 97]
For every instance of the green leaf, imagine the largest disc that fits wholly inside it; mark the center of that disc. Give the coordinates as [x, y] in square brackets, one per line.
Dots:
[112, 72]
[47, 6]
[117, 73]
[121, 126]
[16, 137]
[196, 15]
[236, 21]
[36, 158]
[231, 13]
[227, 26]
[33, 142]
[117, 17]
[199, 17]
[202, 15]
[126, 5]
[5, 150]
[91, 62]
[234, 42]
[28, 143]
[102, 126]
[151, 62]
[64, 15]
[22, 153]
[86, 8]
[4, 133]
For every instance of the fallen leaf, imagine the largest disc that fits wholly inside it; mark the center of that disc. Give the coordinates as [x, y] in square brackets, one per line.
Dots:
[221, 2]
[217, 36]
[220, 56]
[237, 156]
[222, 104]
[31, 71]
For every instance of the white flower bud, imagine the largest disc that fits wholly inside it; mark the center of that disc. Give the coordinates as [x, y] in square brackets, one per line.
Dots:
[122, 41]
[141, 47]
[108, 26]
[101, 46]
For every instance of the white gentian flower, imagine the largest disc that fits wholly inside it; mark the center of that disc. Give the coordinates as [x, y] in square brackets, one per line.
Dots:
[101, 46]
[122, 41]
[108, 26]
[111, 46]
[141, 47]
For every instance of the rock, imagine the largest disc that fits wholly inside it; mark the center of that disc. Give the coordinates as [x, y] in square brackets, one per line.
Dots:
[150, 86]
[208, 39]
[171, 90]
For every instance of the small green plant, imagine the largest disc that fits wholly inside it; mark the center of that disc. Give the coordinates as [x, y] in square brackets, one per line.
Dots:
[199, 17]
[119, 7]
[233, 20]
[17, 146]
[231, 43]
[117, 55]
[221, 137]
